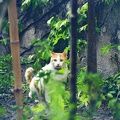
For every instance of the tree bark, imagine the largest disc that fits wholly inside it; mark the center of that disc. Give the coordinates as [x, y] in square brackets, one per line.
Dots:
[73, 58]
[15, 52]
[91, 51]
[91, 39]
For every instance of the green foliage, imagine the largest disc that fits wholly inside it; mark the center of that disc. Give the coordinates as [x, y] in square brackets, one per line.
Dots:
[20, 26]
[82, 18]
[15, 107]
[59, 100]
[81, 44]
[5, 25]
[59, 30]
[33, 3]
[108, 1]
[118, 47]
[37, 112]
[26, 60]
[89, 86]
[4, 41]
[42, 53]
[89, 89]
[83, 28]
[2, 111]
[82, 13]
[111, 91]
[6, 78]
[107, 48]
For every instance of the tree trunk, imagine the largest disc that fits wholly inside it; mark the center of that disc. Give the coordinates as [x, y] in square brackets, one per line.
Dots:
[15, 52]
[73, 58]
[91, 51]
[91, 39]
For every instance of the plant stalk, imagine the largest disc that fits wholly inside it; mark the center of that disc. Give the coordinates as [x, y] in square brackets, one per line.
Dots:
[15, 52]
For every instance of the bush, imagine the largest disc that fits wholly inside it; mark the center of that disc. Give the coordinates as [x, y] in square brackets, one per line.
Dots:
[6, 78]
[111, 91]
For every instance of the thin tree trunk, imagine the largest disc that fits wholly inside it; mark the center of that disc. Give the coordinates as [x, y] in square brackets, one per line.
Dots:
[91, 51]
[91, 39]
[73, 58]
[15, 52]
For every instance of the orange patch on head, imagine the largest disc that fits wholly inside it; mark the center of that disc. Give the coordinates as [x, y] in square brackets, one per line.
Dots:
[61, 55]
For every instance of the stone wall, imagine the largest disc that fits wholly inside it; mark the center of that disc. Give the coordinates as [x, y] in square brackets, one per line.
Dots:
[109, 22]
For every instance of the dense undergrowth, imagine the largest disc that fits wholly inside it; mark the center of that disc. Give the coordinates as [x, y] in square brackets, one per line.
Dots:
[104, 91]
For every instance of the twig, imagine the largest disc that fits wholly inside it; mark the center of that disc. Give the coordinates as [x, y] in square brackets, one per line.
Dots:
[105, 18]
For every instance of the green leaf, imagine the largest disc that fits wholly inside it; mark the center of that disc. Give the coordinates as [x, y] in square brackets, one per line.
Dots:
[58, 25]
[51, 21]
[98, 104]
[30, 57]
[4, 41]
[107, 1]
[84, 8]
[66, 49]
[25, 4]
[97, 29]
[38, 108]
[112, 103]
[118, 47]
[83, 28]
[109, 95]
[15, 107]
[46, 54]
[106, 49]
[3, 111]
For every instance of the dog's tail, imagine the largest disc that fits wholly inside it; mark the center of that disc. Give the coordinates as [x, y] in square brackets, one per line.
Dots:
[28, 74]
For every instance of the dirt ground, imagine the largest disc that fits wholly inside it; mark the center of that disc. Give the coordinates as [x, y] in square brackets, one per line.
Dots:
[8, 101]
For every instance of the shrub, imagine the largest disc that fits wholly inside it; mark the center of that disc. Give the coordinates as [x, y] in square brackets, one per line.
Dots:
[111, 91]
[6, 78]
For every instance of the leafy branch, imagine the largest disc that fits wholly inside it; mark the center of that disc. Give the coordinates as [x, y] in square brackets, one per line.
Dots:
[54, 8]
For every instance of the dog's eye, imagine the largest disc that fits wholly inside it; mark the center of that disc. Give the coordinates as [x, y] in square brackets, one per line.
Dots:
[55, 60]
